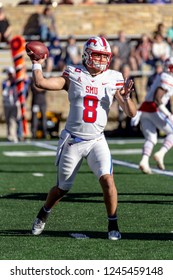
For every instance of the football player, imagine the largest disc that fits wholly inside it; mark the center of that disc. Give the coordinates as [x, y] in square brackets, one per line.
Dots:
[155, 115]
[91, 88]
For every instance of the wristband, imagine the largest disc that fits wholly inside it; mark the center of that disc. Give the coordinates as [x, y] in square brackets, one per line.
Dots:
[36, 66]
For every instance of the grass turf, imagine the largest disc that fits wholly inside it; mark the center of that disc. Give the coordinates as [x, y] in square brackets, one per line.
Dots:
[145, 211]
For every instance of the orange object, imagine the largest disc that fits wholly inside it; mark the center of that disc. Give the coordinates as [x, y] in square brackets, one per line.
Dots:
[18, 49]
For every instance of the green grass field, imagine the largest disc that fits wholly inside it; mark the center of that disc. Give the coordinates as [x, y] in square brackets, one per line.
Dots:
[145, 209]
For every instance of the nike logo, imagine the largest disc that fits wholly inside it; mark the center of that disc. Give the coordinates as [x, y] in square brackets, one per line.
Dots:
[104, 84]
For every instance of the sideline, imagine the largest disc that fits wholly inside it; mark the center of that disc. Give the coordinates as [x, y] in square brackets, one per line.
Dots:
[51, 146]
[135, 166]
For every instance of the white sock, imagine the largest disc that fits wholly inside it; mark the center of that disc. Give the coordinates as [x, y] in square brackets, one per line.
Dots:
[147, 150]
[168, 143]
[145, 159]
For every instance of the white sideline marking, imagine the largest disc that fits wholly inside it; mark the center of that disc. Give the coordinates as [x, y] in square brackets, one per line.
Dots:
[128, 141]
[29, 153]
[113, 151]
[53, 153]
[45, 145]
[126, 152]
[38, 174]
[135, 166]
[112, 141]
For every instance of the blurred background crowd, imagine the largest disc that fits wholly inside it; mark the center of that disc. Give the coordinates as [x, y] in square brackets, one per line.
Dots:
[134, 58]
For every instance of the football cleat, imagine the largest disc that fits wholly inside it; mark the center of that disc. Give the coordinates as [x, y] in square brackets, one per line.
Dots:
[38, 227]
[145, 168]
[159, 160]
[114, 235]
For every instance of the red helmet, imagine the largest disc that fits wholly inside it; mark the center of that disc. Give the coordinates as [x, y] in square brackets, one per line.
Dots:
[97, 46]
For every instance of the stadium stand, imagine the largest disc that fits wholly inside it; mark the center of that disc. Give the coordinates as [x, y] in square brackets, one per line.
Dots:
[84, 22]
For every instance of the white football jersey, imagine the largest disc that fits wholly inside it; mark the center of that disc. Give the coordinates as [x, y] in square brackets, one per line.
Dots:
[164, 81]
[90, 100]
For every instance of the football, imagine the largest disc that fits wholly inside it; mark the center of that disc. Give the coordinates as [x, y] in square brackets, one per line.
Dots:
[36, 50]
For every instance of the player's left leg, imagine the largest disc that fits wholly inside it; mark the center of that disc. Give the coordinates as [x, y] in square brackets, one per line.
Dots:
[110, 199]
[100, 162]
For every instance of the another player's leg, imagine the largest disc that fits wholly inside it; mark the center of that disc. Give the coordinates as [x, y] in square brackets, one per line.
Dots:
[150, 133]
[159, 156]
[146, 153]
[110, 199]
[53, 197]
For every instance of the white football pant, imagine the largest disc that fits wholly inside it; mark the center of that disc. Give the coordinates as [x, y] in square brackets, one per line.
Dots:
[71, 154]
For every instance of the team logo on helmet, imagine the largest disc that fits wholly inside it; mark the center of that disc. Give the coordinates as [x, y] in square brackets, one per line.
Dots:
[91, 41]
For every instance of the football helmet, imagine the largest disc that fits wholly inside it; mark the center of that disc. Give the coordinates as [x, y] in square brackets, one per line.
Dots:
[97, 53]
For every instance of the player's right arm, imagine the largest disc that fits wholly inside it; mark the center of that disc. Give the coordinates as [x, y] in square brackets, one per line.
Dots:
[51, 83]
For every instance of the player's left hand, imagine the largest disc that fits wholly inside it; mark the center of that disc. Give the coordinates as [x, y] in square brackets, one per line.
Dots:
[127, 89]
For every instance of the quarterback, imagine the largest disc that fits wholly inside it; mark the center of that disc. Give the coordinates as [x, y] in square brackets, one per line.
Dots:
[91, 89]
[155, 115]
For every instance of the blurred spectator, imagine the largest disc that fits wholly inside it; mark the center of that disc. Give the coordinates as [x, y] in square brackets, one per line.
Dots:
[126, 1]
[121, 49]
[47, 24]
[159, 1]
[10, 104]
[42, 2]
[143, 51]
[46, 2]
[36, 2]
[169, 34]
[116, 2]
[126, 72]
[132, 60]
[5, 27]
[160, 48]
[72, 52]
[66, 2]
[55, 61]
[159, 66]
[87, 3]
[160, 29]
[116, 60]
[24, 3]
[38, 106]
